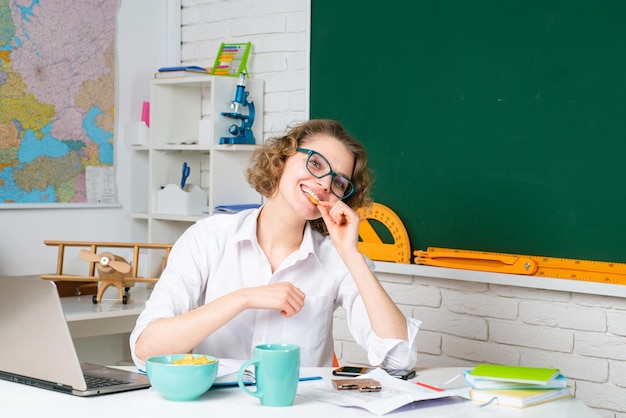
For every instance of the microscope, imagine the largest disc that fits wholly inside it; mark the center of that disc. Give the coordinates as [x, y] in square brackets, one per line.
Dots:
[241, 134]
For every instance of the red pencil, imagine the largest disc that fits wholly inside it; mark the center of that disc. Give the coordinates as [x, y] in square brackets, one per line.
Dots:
[436, 389]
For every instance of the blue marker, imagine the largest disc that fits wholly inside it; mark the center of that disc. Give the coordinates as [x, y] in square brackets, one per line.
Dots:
[186, 171]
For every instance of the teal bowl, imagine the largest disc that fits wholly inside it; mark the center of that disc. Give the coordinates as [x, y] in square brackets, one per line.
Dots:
[181, 382]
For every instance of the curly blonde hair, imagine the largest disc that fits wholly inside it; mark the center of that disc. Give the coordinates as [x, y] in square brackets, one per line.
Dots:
[268, 160]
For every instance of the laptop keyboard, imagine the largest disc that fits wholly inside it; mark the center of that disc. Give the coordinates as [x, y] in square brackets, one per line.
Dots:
[98, 381]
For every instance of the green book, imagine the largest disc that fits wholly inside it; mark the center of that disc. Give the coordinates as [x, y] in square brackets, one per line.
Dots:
[485, 383]
[519, 374]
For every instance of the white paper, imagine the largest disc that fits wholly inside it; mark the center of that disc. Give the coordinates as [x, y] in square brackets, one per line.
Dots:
[100, 184]
[228, 370]
[394, 394]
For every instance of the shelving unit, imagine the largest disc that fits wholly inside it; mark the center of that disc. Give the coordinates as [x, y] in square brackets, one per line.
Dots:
[177, 106]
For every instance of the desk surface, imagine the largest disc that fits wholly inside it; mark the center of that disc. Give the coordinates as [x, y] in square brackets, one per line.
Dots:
[21, 400]
[81, 308]
[100, 331]
[86, 319]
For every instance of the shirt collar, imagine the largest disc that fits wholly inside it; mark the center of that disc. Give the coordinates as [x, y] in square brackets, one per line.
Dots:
[247, 232]
[247, 227]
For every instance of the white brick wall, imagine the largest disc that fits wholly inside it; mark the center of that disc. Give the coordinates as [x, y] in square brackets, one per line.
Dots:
[463, 322]
[279, 32]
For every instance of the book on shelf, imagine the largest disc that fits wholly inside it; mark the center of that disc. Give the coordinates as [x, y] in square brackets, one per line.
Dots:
[181, 71]
[517, 374]
[486, 383]
[518, 398]
[235, 208]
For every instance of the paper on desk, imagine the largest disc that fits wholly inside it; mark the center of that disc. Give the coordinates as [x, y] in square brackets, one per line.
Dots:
[395, 393]
[228, 367]
[227, 372]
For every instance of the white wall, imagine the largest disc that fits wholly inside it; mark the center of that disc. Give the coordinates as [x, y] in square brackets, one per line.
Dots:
[142, 46]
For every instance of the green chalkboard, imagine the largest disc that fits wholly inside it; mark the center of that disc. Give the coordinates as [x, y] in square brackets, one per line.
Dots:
[491, 125]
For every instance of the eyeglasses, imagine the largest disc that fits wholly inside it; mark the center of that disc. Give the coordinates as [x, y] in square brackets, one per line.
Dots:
[319, 166]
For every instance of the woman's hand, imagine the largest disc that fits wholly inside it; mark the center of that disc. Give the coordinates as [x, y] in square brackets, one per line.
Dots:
[182, 332]
[283, 296]
[343, 225]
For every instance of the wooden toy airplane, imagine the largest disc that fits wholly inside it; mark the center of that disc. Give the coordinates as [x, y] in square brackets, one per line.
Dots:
[113, 270]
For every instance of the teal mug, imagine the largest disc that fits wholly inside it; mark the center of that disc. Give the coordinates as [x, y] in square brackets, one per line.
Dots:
[276, 372]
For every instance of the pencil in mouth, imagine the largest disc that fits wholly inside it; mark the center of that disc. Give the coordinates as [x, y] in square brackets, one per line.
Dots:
[312, 197]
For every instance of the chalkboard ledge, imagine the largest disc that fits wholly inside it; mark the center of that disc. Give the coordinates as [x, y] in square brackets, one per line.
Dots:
[574, 286]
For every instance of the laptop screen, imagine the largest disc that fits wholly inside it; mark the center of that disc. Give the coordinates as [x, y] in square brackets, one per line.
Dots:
[34, 337]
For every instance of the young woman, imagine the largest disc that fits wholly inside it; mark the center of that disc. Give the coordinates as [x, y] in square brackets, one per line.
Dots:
[276, 274]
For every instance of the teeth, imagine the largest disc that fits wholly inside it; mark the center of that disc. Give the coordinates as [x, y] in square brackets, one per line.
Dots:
[312, 197]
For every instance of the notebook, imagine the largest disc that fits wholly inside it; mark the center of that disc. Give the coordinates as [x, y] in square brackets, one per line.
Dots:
[486, 383]
[519, 398]
[519, 374]
[37, 348]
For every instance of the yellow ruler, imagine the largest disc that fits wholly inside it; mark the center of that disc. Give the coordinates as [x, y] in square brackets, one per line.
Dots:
[399, 251]
[552, 267]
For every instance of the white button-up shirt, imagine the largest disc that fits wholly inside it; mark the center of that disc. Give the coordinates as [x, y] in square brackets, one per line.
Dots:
[220, 254]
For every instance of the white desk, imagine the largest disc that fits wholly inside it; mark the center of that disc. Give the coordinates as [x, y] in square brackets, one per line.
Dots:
[21, 400]
[86, 319]
[100, 331]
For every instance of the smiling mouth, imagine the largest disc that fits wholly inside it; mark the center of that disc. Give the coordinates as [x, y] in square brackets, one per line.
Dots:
[312, 196]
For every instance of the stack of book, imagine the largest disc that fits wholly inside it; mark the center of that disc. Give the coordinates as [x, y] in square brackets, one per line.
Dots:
[516, 386]
[183, 71]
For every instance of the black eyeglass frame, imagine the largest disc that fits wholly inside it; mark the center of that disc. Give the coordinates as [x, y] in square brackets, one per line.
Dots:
[332, 173]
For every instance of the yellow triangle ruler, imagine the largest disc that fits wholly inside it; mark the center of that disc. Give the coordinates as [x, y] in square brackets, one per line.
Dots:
[399, 251]
[550, 267]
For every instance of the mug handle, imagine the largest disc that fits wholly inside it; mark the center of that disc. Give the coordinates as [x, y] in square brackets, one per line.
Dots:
[257, 393]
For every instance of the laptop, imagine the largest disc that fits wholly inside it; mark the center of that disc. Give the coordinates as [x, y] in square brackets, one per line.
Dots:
[37, 348]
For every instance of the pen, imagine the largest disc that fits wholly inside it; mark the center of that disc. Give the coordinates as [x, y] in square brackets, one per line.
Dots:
[305, 379]
[186, 171]
[302, 379]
